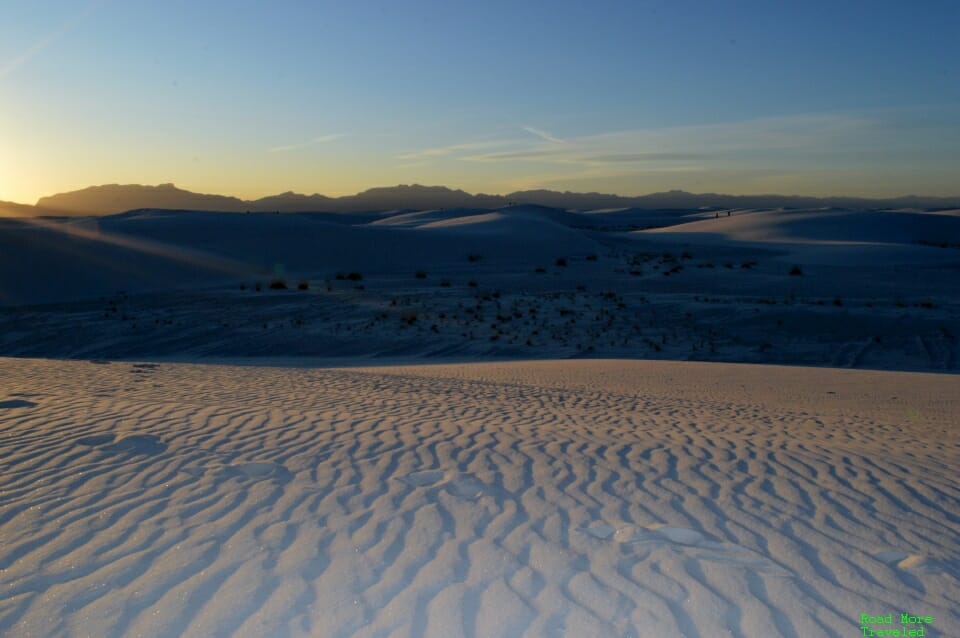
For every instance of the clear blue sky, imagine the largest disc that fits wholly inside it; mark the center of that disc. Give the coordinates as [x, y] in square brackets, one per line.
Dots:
[254, 97]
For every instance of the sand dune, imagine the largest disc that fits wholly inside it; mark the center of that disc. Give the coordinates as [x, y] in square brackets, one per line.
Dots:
[869, 290]
[574, 497]
[582, 498]
[827, 236]
[50, 261]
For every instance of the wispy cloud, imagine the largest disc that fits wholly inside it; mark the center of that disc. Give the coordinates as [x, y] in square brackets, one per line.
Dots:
[565, 156]
[317, 140]
[444, 151]
[544, 135]
[783, 137]
[732, 150]
[46, 41]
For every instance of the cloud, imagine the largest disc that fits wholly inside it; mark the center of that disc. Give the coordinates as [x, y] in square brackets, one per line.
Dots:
[317, 140]
[740, 152]
[443, 151]
[780, 139]
[565, 156]
[46, 41]
[544, 135]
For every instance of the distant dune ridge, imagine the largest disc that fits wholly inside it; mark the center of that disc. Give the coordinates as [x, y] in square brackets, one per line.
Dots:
[841, 287]
[115, 198]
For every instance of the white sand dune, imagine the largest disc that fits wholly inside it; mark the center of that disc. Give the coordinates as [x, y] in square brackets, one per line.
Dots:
[874, 289]
[586, 498]
[826, 236]
[44, 261]
[838, 226]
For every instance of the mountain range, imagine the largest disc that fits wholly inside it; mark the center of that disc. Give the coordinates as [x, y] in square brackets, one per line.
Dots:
[116, 198]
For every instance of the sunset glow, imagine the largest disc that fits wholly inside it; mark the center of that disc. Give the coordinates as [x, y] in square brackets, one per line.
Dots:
[620, 97]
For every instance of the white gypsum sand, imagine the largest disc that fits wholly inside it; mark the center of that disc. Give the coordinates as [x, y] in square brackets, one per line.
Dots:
[871, 289]
[578, 498]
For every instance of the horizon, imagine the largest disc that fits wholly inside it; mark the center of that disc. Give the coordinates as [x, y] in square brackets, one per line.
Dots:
[468, 193]
[631, 99]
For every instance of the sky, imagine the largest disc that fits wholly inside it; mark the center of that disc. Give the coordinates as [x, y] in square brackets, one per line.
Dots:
[256, 97]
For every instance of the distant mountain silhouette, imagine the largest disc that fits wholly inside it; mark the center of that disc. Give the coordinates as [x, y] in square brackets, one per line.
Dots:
[114, 198]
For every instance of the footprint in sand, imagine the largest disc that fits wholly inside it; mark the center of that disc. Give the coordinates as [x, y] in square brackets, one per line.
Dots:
[907, 561]
[683, 539]
[135, 443]
[467, 486]
[600, 531]
[679, 535]
[138, 444]
[16, 403]
[425, 478]
[256, 471]
[637, 533]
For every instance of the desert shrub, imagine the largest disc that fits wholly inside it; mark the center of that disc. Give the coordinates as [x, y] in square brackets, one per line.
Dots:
[445, 283]
[303, 284]
[562, 262]
[686, 255]
[540, 269]
[474, 258]
[472, 284]
[837, 301]
[340, 276]
[243, 286]
[591, 257]
[796, 271]
[354, 276]
[420, 274]
[278, 284]
[257, 286]
[748, 264]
